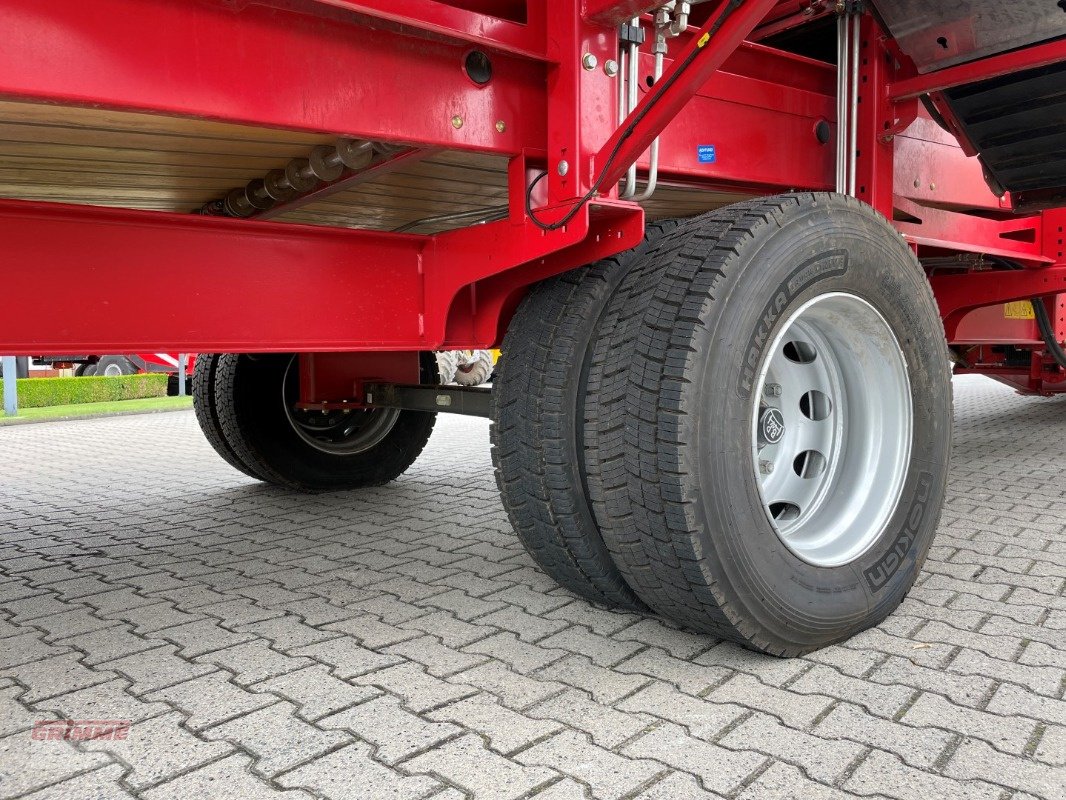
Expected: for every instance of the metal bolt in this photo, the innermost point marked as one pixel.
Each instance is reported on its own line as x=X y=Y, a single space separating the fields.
x=610 y=67
x=589 y=61
x=917 y=183
x=766 y=467
x=932 y=187
x=457 y=122
x=501 y=126
x=563 y=167
x=772 y=390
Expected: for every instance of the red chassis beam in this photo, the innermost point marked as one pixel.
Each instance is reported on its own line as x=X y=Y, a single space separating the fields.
x=265 y=286
x=992 y=67
x=958 y=294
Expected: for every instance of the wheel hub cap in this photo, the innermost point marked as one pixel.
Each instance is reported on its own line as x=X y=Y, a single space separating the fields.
x=771 y=425
x=831 y=429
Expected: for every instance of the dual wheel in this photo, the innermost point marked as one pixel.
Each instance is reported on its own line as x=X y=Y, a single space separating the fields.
x=743 y=425
x=246 y=407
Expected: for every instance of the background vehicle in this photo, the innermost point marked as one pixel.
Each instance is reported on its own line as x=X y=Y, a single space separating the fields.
x=728 y=249
x=128 y=364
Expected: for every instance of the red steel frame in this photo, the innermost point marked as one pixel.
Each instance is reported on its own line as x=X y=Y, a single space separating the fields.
x=393 y=72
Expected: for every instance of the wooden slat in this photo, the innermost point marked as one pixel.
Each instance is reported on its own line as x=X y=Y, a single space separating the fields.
x=45 y=135
x=114 y=158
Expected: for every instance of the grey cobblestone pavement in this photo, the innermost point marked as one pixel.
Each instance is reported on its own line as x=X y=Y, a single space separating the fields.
x=398 y=643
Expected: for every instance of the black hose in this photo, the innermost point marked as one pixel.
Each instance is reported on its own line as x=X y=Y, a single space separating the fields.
x=1047 y=331
x=1043 y=321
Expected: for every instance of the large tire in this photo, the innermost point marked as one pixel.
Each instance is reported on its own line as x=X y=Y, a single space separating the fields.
x=475 y=371
x=203 y=404
x=816 y=290
x=537 y=427
x=447 y=365
x=254 y=398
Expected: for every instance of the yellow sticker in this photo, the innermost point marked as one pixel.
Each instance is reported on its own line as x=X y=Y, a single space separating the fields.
x=703 y=40
x=1022 y=309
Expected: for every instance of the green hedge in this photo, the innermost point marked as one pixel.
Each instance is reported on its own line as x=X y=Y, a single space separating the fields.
x=41 y=392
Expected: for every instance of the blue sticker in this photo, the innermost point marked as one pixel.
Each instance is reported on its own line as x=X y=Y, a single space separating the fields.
x=706 y=154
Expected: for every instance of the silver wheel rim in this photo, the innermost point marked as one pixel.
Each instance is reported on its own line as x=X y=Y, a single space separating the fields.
x=831 y=430
x=339 y=432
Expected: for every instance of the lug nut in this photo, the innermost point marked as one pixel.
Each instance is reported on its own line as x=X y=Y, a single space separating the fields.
x=772 y=390
x=766 y=467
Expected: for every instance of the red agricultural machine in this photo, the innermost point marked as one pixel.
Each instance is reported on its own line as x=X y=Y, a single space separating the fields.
x=732 y=251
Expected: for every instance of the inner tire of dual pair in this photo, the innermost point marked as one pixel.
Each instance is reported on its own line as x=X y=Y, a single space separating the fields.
x=254 y=397
x=537 y=433
x=726 y=288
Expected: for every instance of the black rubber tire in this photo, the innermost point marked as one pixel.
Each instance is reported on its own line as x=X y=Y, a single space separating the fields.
x=80 y=370
x=669 y=416
x=538 y=408
x=119 y=364
x=203 y=404
x=252 y=416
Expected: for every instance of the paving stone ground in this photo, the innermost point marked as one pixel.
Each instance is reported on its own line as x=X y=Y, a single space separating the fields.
x=398 y=643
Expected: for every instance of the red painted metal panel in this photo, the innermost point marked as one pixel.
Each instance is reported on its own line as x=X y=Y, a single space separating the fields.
x=326 y=377
x=245 y=286
x=773 y=102
x=931 y=168
x=992 y=67
x=704 y=55
x=252 y=286
x=1017 y=238
x=468 y=25
x=266 y=66
x=998 y=324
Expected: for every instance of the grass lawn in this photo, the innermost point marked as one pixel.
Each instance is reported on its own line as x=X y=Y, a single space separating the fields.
x=96 y=409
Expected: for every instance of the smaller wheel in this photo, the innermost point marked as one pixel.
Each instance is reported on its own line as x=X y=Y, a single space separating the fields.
x=80 y=370
x=255 y=399
x=113 y=366
x=475 y=370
